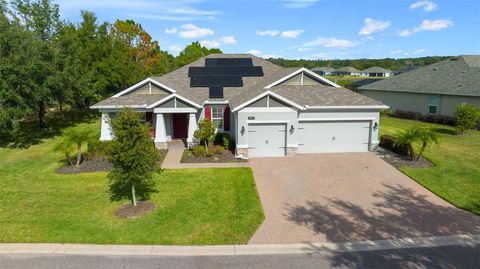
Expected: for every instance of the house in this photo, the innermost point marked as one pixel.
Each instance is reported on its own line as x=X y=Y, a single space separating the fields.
x=359 y=83
x=376 y=71
x=347 y=71
x=267 y=109
x=323 y=71
x=405 y=69
x=434 y=89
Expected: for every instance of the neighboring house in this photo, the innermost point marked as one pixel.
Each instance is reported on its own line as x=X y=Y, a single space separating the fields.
x=323 y=71
x=435 y=89
x=267 y=109
x=405 y=69
x=347 y=71
x=359 y=83
x=376 y=71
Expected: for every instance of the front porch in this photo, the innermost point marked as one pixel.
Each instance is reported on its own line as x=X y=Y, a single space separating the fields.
x=170 y=125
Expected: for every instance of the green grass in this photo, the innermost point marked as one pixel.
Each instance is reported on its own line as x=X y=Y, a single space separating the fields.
x=193 y=206
x=456 y=174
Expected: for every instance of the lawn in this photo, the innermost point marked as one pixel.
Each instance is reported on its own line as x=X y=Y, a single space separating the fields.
x=194 y=206
x=456 y=175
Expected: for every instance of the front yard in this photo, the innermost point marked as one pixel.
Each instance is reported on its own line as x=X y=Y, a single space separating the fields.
x=193 y=206
x=456 y=174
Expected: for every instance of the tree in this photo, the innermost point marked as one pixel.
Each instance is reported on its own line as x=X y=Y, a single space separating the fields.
x=194 y=52
x=466 y=117
x=426 y=136
x=78 y=136
x=134 y=158
x=205 y=132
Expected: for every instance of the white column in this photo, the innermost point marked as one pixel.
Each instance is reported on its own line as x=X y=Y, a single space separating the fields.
x=192 y=126
x=160 y=131
x=106 y=132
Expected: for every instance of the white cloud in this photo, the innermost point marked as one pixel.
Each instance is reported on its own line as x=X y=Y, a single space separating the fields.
x=298 y=3
x=427 y=5
x=331 y=42
x=171 y=31
x=291 y=33
x=210 y=43
x=175 y=48
x=419 y=51
x=303 y=49
x=371 y=26
x=259 y=53
x=396 y=52
x=191 y=31
x=427 y=25
x=227 y=40
x=266 y=32
x=254 y=52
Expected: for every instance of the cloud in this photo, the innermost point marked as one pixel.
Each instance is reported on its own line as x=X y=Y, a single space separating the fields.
x=175 y=48
x=396 y=52
x=301 y=49
x=259 y=53
x=171 y=31
x=266 y=32
x=298 y=3
x=291 y=33
x=331 y=42
x=427 y=5
x=406 y=53
x=371 y=26
x=427 y=25
x=419 y=51
x=228 y=40
x=254 y=52
x=210 y=43
x=191 y=31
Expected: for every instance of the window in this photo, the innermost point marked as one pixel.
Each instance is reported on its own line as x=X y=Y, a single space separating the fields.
x=217 y=117
x=433 y=105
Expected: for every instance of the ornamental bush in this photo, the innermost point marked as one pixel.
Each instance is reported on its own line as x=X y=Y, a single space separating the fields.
x=466 y=116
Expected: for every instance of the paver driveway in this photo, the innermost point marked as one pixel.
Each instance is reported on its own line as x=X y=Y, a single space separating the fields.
x=348 y=197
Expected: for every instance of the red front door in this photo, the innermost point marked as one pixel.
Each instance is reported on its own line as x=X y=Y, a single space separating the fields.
x=180 y=125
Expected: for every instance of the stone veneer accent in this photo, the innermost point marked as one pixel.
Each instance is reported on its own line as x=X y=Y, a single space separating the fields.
x=161 y=145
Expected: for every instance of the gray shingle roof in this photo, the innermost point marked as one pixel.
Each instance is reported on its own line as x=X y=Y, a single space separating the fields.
x=347 y=69
x=323 y=69
x=376 y=69
x=323 y=96
x=140 y=100
x=454 y=76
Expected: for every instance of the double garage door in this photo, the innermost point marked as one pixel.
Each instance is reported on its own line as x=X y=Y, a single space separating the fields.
x=313 y=137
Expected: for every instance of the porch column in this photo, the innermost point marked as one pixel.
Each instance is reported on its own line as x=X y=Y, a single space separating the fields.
x=105 y=132
x=192 y=126
x=160 y=131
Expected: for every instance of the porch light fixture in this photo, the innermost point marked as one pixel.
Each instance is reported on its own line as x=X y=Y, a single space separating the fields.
x=243 y=130
x=292 y=129
x=375 y=126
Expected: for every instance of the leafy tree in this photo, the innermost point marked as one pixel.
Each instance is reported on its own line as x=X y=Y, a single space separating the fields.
x=205 y=132
x=407 y=137
x=65 y=147
x=426 y=136
x=194 y=52
x=466 y=117
x=134 y=158
x=78 y=136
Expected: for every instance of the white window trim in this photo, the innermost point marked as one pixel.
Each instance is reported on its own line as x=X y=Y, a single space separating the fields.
x=222 y=118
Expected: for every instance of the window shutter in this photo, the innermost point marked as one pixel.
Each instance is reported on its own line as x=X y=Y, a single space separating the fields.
x=208 y=113
x=226 y=119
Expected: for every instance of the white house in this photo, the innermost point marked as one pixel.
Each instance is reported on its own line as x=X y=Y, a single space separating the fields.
x=267 y=109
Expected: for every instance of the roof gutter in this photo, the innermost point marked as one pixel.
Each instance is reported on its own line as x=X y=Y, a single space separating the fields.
x=117 y=106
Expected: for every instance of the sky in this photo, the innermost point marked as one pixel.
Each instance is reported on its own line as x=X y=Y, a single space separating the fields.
x=301 y=29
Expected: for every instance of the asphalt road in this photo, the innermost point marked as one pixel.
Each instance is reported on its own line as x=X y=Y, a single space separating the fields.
x=437 y=257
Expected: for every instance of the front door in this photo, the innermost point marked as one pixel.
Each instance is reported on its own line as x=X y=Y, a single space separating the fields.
x=180 y=125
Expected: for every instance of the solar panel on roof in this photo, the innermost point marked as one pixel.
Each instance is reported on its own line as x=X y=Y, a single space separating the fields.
x=215 y=92
x=245 y=71
x=225 y=81
x=212 y=62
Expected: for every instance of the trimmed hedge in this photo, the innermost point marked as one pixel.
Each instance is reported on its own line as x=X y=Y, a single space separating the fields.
x=439 y=119
x=388 y=142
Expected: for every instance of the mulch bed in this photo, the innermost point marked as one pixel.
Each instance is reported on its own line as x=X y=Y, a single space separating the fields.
x=226 y=157
x=86 y=166
x=400 y=161
x=129 y=211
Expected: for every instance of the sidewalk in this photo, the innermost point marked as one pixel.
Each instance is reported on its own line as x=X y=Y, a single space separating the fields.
x=174 y=156
x=229 y=250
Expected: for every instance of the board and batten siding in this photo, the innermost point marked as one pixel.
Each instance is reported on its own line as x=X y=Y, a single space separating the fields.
x=419 y=102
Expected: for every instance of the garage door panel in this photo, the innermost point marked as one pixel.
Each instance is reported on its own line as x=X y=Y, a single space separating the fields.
x=266 y=140
x=339 y=136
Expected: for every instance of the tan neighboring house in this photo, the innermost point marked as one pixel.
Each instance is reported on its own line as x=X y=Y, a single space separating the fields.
x=435 y=89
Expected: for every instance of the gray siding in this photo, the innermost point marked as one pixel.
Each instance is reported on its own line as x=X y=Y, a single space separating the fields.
x=170 y=103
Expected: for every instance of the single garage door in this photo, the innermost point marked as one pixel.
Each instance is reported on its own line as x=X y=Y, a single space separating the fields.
x=266 y=140
x=333 y=136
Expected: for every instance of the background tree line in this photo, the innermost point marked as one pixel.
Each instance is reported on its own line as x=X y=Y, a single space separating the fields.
x=50 y=62
x=361 y=64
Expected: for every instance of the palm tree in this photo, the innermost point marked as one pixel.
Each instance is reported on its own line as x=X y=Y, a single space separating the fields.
x=426 y=136
x=78 y=136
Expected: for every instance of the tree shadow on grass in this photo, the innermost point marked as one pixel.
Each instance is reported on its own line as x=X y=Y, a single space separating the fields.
x=445 y=131
x=30 y=134
x=400 y=213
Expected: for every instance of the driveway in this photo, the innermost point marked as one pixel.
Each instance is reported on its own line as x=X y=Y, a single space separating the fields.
x=348 y=197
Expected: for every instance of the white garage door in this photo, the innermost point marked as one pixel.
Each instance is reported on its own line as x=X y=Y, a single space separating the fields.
x=266 y=140
x=337 y=136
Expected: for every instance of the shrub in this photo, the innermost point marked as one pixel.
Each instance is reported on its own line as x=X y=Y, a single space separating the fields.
x=216 y=150
x=205 y=132
x=223 y=139
x=386 y=112
x=199 y=151
x=409 y=115
x=440 y=119
x=388 y=142
x=97 y=150
x=466 y=116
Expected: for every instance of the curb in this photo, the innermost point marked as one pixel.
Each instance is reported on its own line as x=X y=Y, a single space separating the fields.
x=232 y=250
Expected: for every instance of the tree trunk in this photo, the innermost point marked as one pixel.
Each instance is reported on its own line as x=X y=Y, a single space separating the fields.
x=134 y=197
x=61 y=110
x=79 y=154
x=41 y=115
x=68 y=158
x=206 y=145
x=424 y=145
